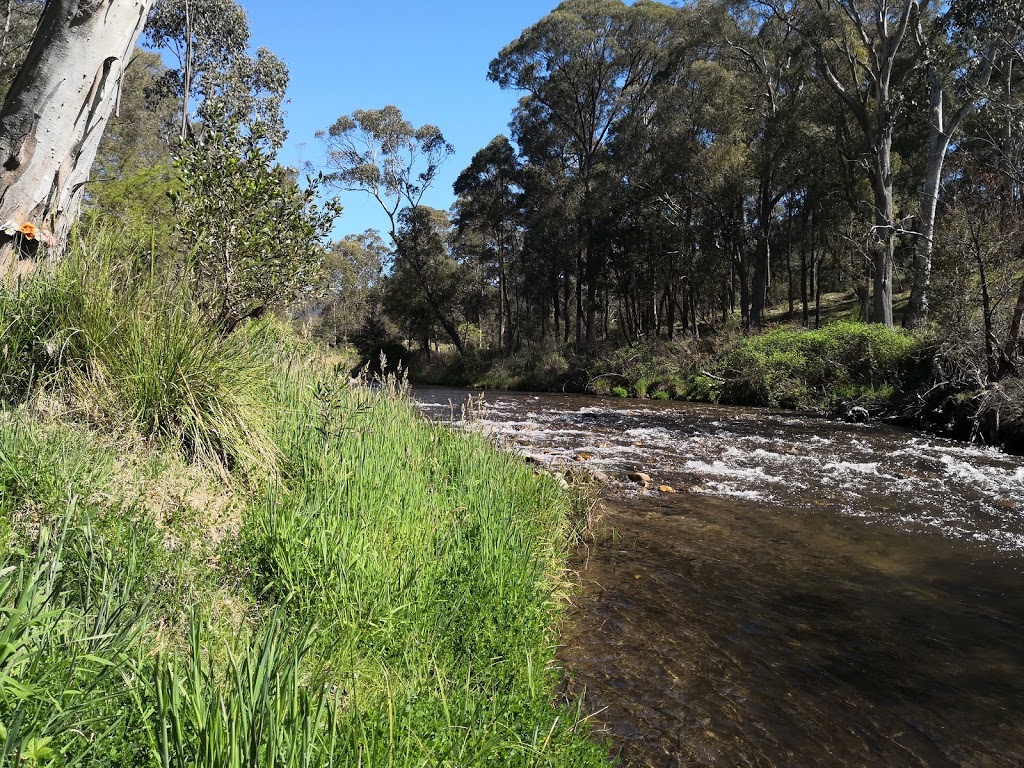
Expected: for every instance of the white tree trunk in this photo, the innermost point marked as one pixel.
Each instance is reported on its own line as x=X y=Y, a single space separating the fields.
x=54 y=116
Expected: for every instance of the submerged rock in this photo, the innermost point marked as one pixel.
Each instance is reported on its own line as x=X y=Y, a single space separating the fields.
x=638 y=477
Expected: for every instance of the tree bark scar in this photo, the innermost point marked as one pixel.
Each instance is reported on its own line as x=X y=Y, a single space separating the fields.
x=24 y=149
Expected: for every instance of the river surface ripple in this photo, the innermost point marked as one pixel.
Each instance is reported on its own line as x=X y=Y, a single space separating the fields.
x=816 y=594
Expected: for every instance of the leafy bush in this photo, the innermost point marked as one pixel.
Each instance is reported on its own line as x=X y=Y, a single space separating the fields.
x=790 y=367
x=256 y=236
x=620 y=392
x=702 y=389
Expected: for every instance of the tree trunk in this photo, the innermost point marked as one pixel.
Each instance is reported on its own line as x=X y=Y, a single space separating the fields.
x=763 y=254
x=1009 y=353
x=55 y=114
x=883 y=252
x=939 y=136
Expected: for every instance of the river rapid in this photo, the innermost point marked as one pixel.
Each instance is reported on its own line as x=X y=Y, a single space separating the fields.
x=800 y=592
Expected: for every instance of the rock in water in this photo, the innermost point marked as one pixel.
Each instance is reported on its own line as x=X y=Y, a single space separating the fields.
x=858 y=415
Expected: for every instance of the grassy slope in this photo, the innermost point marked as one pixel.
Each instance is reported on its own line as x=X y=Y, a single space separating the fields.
x=380 y=591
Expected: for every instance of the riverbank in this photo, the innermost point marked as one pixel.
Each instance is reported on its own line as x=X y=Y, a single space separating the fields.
x=780 y=589
x=846 y=370
x=222 y=552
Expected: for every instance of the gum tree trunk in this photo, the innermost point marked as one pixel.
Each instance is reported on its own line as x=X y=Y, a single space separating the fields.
x=54 y=116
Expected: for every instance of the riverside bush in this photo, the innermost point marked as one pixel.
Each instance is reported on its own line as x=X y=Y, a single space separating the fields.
x=789 y=367
x=130 y=350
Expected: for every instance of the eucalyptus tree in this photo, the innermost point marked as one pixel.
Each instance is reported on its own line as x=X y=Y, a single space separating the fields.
x=867 y=54
x=425 y=282
x=379 y=152
x=353 y=282
x=959 y=49
x=55 y=113
x=488 y=202
x=992 y=151
x=209 y=41
x=770 y=58
x=583 y=67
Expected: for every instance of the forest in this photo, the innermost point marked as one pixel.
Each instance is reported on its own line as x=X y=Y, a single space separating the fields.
x=696 y=170
x=233 y=539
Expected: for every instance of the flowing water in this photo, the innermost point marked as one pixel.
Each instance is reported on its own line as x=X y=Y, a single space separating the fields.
x=813 y=594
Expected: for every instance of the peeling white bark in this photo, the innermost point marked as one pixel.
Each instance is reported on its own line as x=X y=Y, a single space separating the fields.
x=56 y=111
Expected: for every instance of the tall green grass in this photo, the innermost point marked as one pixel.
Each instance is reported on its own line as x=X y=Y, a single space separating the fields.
x=128 y=348
x=430 y=563
x=387 y=596
x=71 y=653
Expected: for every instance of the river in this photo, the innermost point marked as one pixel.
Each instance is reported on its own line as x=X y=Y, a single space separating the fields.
x=801 y=592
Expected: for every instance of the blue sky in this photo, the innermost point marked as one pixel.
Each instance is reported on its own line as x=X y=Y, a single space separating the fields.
x=427 y=58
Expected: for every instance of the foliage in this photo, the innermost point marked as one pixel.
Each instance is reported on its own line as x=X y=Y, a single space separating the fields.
x=133 y=176
x=353 y=272
x=792 y=367
x=379 y=152
x=132 y=351
x=136 y=208
x=139 y=137
x=255 y=237
x=388 y=598
x=425 y=283
x=209 y=41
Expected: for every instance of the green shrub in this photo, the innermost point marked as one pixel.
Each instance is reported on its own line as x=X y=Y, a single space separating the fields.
x=661 y=394
x=701 y=389
x=643 y=385
x=620 y=392
x=602 y=386
x=792 y=367
x=256 y=236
